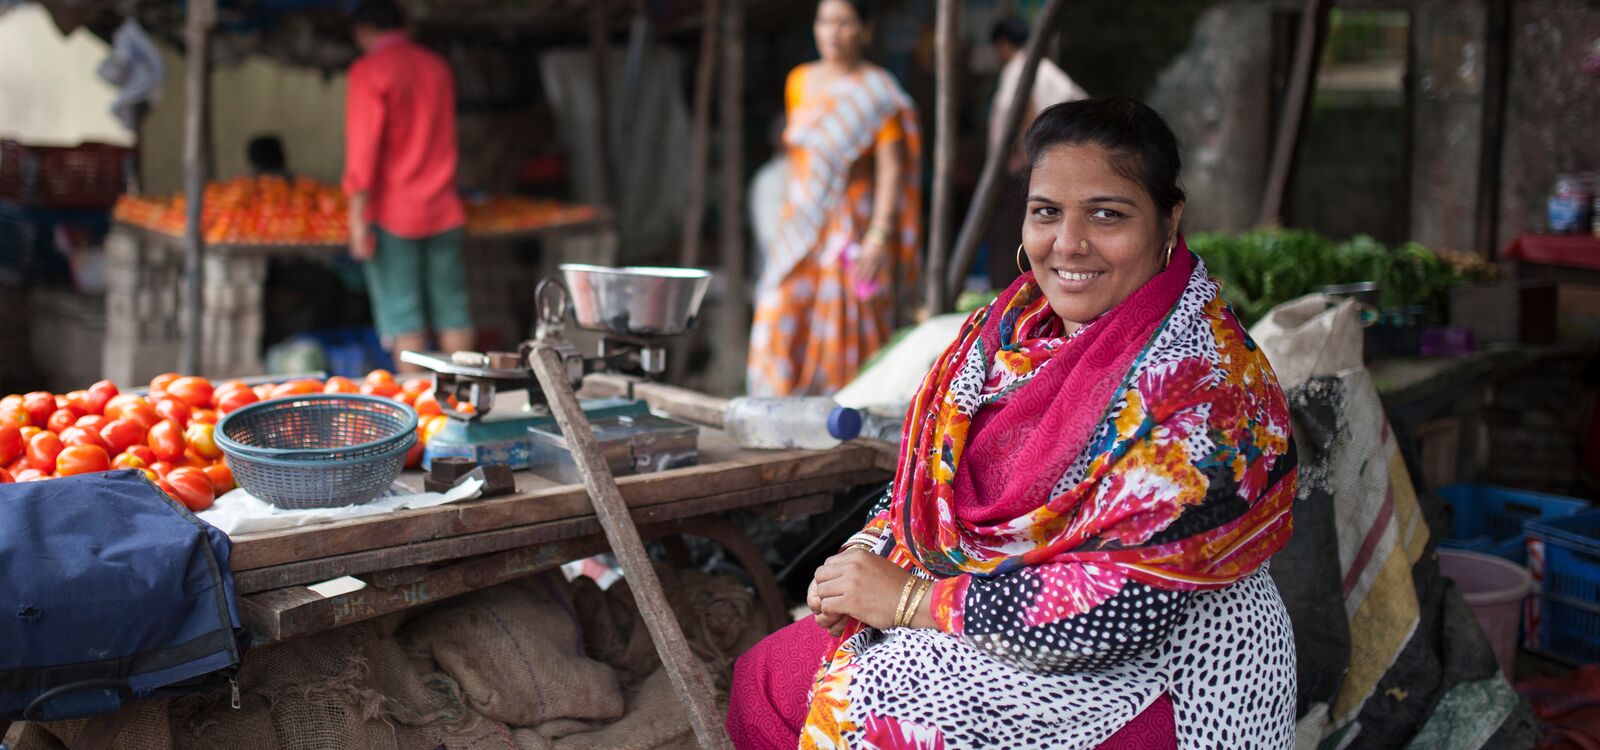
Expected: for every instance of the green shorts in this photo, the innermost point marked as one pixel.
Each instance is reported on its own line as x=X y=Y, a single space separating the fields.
x=414 y=282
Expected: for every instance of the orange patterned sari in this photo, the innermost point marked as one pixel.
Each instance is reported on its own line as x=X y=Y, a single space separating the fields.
x=813 y=326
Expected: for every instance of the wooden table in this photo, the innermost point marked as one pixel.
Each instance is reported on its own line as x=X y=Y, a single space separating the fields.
x=415 y=557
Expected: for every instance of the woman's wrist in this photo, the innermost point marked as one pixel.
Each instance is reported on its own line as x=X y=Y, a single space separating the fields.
x=876 y=235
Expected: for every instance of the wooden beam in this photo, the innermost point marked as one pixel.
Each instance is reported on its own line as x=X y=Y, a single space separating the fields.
x=994 y=163
x=600 y=51
x=732 y=160
x=780 y=498
x=1296 y=104
x=699 y=144
x=202 y=15
x=944 y=155
x=687 y=674
x=1496 y=61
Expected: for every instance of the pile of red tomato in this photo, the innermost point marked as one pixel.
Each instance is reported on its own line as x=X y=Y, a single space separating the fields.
x=169 y=433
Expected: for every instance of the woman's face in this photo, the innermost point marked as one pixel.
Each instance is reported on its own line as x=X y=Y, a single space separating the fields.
x=841 y=36
x=1092 y=235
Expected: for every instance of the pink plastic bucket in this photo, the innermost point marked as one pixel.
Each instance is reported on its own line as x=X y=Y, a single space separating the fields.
x=1494 y=588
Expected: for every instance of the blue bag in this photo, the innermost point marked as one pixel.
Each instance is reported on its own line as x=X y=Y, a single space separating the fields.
x=109 y=592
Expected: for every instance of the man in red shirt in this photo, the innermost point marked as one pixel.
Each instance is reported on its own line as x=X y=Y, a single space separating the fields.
x=406 y=219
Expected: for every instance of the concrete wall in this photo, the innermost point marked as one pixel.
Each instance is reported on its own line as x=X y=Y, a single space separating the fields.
x=49 y=92
x=1553 y=107
x=1216 y=95
x=1447 y=70
x=304 y=107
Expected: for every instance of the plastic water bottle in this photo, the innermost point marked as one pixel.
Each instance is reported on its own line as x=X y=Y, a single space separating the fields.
x=815 y=423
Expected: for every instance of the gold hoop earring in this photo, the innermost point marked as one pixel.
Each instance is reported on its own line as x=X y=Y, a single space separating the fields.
x=1020 y=269
x=1169 y=256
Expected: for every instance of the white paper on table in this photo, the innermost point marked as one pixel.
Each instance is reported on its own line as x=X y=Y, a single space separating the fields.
x=239 y=512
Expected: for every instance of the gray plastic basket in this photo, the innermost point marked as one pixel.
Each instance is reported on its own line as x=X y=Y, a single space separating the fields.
x=318 y=451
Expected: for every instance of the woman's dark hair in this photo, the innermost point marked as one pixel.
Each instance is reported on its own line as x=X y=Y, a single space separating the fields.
x=383 y=15
x=865 y=9
x=265 y=153
x=1142 y=147
x=1012 y=29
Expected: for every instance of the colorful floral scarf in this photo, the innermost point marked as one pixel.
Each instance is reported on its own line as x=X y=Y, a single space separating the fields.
x=1152 y=445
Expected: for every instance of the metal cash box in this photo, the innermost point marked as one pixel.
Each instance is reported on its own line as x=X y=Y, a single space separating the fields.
x=630 y=443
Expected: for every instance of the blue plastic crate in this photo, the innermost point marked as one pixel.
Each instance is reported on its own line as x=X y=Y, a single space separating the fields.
x=352 y=352
x=1490 y=519
x=1571 y=557
x=1568 y=630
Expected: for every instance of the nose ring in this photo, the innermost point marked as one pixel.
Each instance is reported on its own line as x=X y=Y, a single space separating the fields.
x=1083 y=244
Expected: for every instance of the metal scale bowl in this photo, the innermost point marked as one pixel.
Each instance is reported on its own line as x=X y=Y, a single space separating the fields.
x=633 y=309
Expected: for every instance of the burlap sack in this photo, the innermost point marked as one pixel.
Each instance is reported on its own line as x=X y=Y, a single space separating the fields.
x=147 y=728
x=717 y=613
x=203 y=722
x=517 y=658
x=36 y=737
x=1313 y=336
x=656 y=717
x=478 y=732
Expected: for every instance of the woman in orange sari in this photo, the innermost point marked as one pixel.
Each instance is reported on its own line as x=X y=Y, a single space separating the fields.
x=846 y=253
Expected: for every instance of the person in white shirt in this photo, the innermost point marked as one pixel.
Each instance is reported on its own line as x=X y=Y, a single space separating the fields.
x=1051 y=85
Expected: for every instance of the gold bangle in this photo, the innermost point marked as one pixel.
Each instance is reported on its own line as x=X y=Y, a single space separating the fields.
x=905 y=596
x=879 y=234
x=910 y=615
x=863 y=546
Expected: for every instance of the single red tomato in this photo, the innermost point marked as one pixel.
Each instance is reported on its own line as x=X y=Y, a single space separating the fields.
x=167 y=487
x=92 y=421
x=159 y=383
x=78 y=402
x=39 y=406
x=235 y=399
x=340 y=384
x=143 y=452
x=166 y=439
x=202 y=440
x=5 y=476
x=175 y=410
x=427 y=404
x=129 y=461
x=120 y=403
x=79 y=436
x=144 y=414
x=433 y=426
x=161 y=468
x=15 y=415
x=414 y=456
x=221 y=477
x=61 y=420
x=82 y=459
x=12 y=401
x=303 y=387
x=230 y=385
x=28 y=433
x=119 y=434
x=10 y=443
x=388 y=389
x=263 y=391
x=195 y=460
x=192 y=390
x=203 y=416
x=193 y=486
x=100 y=394
x=379 y=375
x=31 y=475
x=416 y=385
x=43 y=448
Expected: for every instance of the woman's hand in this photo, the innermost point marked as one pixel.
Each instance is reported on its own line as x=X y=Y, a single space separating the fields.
x=856 y=584
x=874 y=256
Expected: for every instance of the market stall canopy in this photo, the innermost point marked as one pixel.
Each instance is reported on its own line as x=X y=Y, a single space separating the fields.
x=316 y=33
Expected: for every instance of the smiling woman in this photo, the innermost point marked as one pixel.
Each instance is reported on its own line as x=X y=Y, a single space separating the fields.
x=1092 y=479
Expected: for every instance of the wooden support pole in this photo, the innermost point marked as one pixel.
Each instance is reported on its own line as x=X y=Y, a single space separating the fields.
x=600 y=50
x=699 y=146
x=944 y=155
x=994 y=163
x=197 y=36
x=1297 y=102
x=1496 y=60
x=732 y=160
x=688 y=675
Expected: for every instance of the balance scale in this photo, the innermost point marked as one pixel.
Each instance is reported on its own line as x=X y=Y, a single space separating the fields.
x=634 y=310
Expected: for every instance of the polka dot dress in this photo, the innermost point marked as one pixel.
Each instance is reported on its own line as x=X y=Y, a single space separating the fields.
x=1226 y=658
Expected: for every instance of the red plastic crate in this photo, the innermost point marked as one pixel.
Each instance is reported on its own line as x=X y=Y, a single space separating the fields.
x=89 y=175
